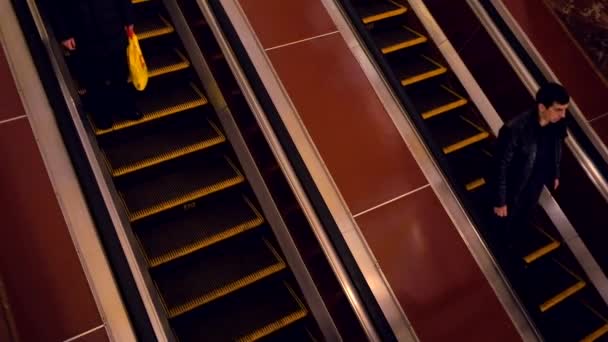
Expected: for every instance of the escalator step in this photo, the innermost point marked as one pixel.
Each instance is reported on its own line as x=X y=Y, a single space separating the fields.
x=293 y=333
x=457 y=132
x=166 y=61
x=248 y=315
x=394 y=39
x=163 y=188
x=371 y=11
x=413 y=69
x=576 y=321
x=153 y=26
x=433 y=100
x=551 y=283
x=537 y=244
x=213 y=220
x=216 y=273
x=161 y=142
x=160 y=63
x=471 y=167
x=158 y=102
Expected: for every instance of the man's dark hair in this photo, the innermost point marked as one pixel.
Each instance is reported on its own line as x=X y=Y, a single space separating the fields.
x=551 y=93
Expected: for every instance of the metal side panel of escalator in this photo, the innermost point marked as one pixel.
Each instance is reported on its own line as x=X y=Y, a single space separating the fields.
x=559 y=299
x=212 y=260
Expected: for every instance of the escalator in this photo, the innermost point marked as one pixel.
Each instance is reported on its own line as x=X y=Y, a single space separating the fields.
x=549 y=282
x=211 y=254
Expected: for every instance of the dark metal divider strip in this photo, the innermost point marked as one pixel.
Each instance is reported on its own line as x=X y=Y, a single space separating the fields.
x=381 y=324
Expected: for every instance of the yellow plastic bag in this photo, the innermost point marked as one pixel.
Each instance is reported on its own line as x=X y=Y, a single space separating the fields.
x=137 y=64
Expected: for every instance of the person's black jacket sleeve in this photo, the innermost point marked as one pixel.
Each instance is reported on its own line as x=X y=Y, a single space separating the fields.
x=504 y=155
x=61 y=18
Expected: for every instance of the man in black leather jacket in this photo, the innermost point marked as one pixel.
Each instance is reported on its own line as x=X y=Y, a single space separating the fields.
x=528 y=156
x=95 y=32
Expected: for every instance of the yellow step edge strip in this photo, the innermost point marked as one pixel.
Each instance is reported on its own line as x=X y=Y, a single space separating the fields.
x=184 y=64
x=138 y=1
x=553 y=245
x=279 y=324
x=562 y=295
x=429 y=74
x=475 y=184
x=539 y=253
x=447 y=107
x=397 y=11
x=405 y=44
x=154 y=115
x=275 y=326
x=221 y=292
x=170 y=155
x=180 y=200
x=566 y=293
x=599 y=332
x=185 y=250
x=185 y=198
x=596 y=334
x=168 y=28
x=466 y=142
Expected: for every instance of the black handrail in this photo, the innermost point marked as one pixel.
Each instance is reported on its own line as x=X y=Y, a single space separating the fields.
x=84 y=173
x=577 y=131
x=371 y=305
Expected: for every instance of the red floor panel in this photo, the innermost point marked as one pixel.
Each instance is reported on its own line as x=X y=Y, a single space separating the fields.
x=433 y=274
x=278 y=22
x=358 y=141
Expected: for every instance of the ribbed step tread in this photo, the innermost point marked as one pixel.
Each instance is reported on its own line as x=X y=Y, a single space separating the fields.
x=417 y=68
x=454 y=133
x=211 y=221
x=431 y=101
x=166 y=61
x=575 y=321
x=153 y=26
x=551 y=283
x=158 y=102
x=394 y=39
x=163 y=188
x=371 y=11
x=215 y=273
x=249 y=314
x=536 y=244
x=161 y=142
x=294 y=333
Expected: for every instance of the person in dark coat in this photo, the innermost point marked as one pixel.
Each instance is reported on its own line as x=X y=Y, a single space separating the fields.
x=527 y=158
x=96 y=33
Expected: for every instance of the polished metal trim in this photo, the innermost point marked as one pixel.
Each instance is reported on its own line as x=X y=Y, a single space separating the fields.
x=557 y=216
x=253 y=175
x=423 y=156
x=135 y=258
x=314 y=163
x=574 y=109
x=63 y=179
